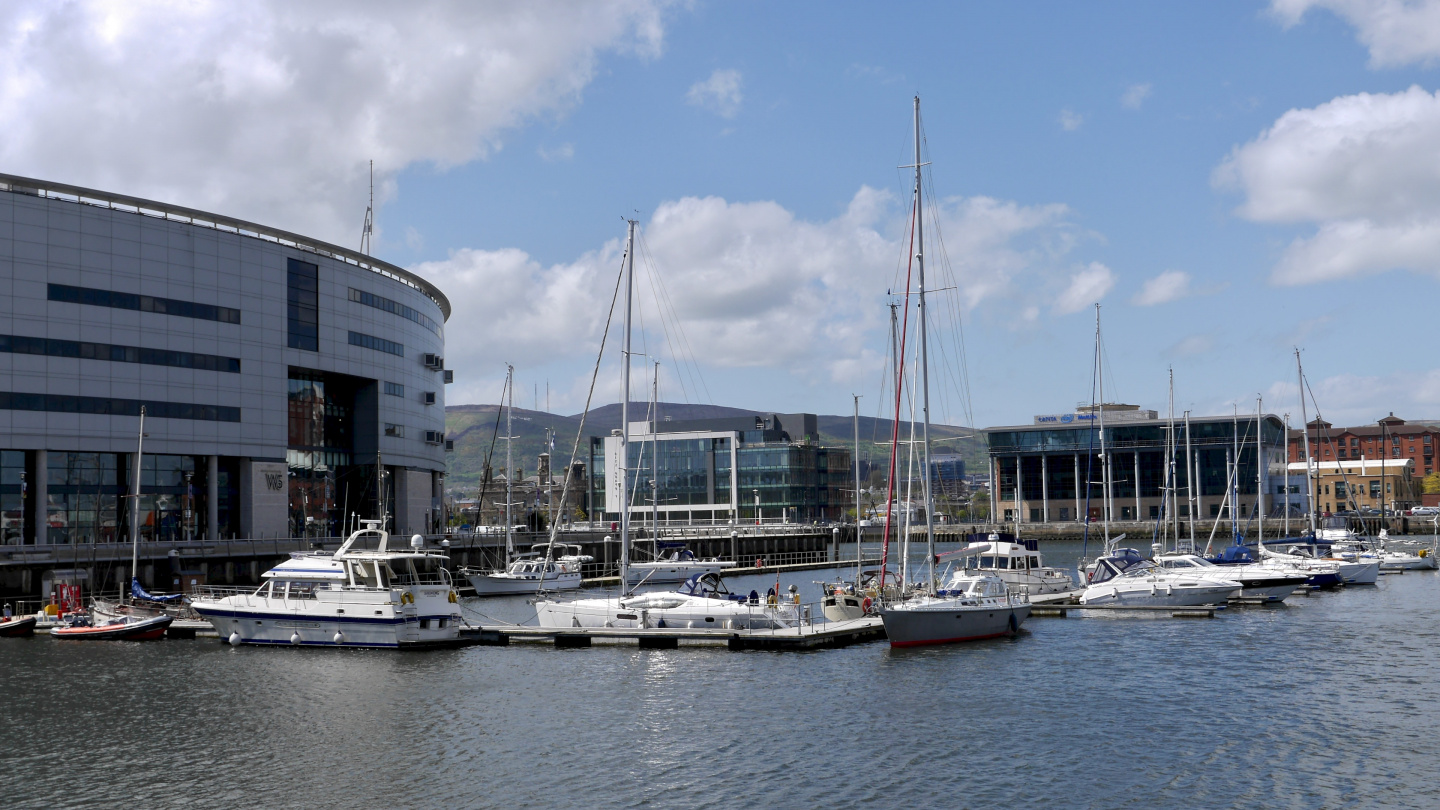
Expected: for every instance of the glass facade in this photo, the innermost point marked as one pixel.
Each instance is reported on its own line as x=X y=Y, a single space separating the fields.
x=12 y=497
x=141 y=303
x=51 y=347
x=303 y=312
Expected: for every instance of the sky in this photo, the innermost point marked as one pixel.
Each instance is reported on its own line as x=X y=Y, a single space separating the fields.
x=1230 y=181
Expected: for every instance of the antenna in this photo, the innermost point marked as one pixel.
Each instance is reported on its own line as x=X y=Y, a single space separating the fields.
x=369 y=215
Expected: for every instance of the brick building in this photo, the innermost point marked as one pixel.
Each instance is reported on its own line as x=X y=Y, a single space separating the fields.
x=1390 y=438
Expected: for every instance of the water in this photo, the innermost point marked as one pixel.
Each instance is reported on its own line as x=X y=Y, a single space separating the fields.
x=1327 y=701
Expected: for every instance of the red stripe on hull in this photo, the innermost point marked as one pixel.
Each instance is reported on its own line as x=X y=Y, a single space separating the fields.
x=948 y=640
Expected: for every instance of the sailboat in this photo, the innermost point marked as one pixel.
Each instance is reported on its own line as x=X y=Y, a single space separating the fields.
x=126 y=620
x=971 y=606
x=526 y=573
x=702 y=601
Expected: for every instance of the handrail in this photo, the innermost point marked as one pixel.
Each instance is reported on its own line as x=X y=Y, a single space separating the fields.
x=177 y=213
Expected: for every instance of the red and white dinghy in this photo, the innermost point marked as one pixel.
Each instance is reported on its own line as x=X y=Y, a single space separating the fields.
x=11 y=628
x=126 y=629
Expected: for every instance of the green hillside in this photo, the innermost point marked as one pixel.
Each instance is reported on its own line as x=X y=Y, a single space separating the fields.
x=473 y=426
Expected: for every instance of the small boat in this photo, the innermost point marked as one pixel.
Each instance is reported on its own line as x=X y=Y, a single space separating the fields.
x=1125 y=578
x=18 y=626
x=127 y=628
x=841 y=600
x=356 y=597
x=531 y=573
x=675 y=563
x=972 y=606
x=703 y=601
x=1020 y=566
x=1358 y=571
x=1257 y=581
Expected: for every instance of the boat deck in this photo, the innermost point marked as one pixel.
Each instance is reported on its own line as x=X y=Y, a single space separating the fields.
x=826 y=634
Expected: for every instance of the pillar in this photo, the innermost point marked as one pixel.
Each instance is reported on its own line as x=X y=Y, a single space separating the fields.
x=40 y=493
x=994 y=489
x=212 y=498
x=1045 y=487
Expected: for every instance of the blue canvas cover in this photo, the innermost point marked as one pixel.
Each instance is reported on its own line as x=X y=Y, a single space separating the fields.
x=140 y=593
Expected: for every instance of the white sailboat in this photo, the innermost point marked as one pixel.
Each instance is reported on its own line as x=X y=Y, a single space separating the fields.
x=703 y=600
x=970 y=607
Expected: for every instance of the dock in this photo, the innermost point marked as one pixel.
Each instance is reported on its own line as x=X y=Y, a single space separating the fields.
x=805 y=637
x=1061 y=610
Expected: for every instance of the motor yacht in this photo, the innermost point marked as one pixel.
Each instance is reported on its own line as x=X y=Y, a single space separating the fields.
x=702 y=601
x=1257 y=581
x=531 y=573
x=973 y=605
x=1021 y=567
x=1125 y=578
x=1358 y=571
x=675 y=563
x=359 y=596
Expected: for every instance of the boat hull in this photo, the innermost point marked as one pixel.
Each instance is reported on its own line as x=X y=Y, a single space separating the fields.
x=1360 y=573
x=505 y=585
x=696 y=613
x=842 y=607
x=141 y=630
x=15 y=628
x=948 y=622
x=1157 y=595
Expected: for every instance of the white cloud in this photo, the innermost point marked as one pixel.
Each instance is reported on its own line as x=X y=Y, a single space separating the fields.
x=1362 y=169
x=1192 y=346
x=1397 y=32
x=1350 y=399
x=414 y=239
x=1070 y=120
x=1086 y=287
x=270 y=110
x=719 y=94
x=751 y=284
x=564 y=151
x=1171 y=285
x=1135 y=96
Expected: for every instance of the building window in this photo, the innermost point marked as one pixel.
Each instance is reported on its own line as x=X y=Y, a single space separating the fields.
x=394 y=389
x=103 y=406
x=19 y=344
x=378 y=344
x=393 y=307
x=304 y=305
x=141 y=303
x=398 y=431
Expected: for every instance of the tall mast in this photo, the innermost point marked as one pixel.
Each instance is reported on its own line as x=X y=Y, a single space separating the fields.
x=1260 y=468
x=509 y=463
x=1287 y=475
x=655 y=455
x=625 y=417
x=1305 y=426
x=369 y=226
x=1172 y=511
x=135 y=508
x=857 y=486
x=1191 y=492
x=924 y=360
x=1104 y=456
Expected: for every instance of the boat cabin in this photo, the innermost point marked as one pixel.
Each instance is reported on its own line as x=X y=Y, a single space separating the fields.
x=1120 y=562
x=303 y=574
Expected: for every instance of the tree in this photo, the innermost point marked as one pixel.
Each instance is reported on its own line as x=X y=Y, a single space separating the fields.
x=1431 y=484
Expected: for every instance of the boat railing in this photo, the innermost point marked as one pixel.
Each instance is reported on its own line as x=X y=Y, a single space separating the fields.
x=217 y=592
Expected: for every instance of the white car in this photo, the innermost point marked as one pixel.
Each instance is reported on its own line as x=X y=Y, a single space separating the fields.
x=1425 y=510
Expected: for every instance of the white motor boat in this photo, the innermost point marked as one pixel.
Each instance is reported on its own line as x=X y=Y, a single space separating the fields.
x=525 y=575
x=703 y=601
x=676 y=563
x=355 y=597
x=1257 y=581
x=1357 y=571
x=1022 y=568
x=1390 y=559
x=1125 y=578
x=972 y=606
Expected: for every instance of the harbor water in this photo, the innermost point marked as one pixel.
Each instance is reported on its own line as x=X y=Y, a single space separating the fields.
x=1326 y=701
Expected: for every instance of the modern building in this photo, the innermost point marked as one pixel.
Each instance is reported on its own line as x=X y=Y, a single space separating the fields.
x=1042 y=469
x=768 y=469
x=285 y=382
x=1390 y=438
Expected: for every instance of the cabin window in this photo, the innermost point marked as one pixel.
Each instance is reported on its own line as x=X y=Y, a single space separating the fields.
x=1034 y=562
x=366 y=576
x=987 y=562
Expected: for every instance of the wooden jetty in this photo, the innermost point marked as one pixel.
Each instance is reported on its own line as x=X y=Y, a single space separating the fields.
x=805 y=637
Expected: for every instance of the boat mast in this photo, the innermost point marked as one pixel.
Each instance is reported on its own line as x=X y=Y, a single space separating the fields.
x=1169 y=502
x=1305 y=425
x=135 y=509
x=1287 y=475
x=1191 y=496
x=655 y=457
x=924 y=362
x=625 y=417
x=857 y=484
x=509 y=464
x=1259 y=468
x=1104 y=456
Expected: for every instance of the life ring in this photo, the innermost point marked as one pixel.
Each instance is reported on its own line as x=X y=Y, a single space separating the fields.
x=770 y=599
x=453 y=598
x=407 y=598
x=865 y=605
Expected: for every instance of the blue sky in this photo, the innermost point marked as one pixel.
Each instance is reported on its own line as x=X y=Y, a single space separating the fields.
x=1229 y=180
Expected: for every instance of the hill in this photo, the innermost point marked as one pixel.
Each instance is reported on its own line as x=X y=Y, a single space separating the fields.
x=472 y=428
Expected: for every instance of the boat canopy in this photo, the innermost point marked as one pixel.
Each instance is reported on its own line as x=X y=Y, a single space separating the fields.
x=708 y=584
x=308 y=568
x=140 y=593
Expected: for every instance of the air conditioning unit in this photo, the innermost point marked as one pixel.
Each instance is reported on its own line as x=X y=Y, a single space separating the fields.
x=434 y=437
x=434 y=362
x=449 y=376
x=429 y=397
x=449 y=445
